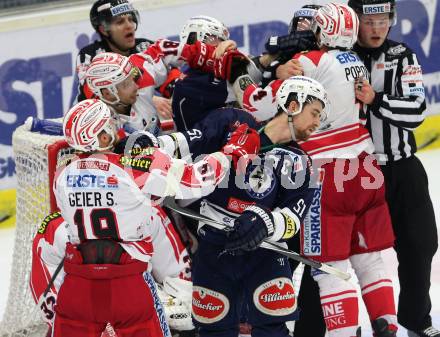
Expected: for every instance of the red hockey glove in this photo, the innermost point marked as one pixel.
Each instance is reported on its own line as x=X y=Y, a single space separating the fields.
x=243 y=146
x=199 y=56
x=167 y=88
x=231 y=65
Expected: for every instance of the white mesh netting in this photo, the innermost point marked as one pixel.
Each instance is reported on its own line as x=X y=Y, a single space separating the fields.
x=31 y=164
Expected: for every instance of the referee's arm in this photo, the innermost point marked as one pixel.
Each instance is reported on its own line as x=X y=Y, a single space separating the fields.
x=406 y=108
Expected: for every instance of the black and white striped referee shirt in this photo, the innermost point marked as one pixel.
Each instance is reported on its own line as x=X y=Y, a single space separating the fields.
x=399 y=105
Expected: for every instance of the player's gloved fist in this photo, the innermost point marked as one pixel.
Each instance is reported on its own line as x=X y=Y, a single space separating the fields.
x=292 y=43
x=231 y=65
x=132 y=144
x=254 y=225
x=243 y=146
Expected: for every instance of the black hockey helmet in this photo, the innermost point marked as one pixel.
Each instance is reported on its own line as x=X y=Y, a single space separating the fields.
x=305 y=12
x=365 y=7
x=103 y=11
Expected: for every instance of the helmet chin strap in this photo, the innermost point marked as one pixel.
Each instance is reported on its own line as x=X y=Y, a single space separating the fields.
x=290 y=115
x=291 y=127
x=120 y=105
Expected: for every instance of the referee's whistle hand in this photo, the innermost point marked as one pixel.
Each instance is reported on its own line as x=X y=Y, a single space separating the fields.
x=364 y=92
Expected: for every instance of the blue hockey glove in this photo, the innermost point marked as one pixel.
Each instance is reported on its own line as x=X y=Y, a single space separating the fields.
x=250 y=229
x=132 y=144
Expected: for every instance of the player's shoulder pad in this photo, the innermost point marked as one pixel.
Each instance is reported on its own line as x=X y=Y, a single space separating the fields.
x=300 y=53
x=290 y=150
x=297 y=157
x=240 y=115
x=313 y=55
x=45 y=223
x=398 y=49
x=92 y=49
x=291 y=154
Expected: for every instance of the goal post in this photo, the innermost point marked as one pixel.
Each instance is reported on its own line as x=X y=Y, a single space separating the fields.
x=36 y=156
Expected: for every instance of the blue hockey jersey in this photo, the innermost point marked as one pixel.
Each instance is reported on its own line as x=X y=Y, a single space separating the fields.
x=278 y=179
x=196 y=94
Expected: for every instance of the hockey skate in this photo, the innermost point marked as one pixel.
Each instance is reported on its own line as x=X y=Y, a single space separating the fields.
x=428 y=332
x=380 y=328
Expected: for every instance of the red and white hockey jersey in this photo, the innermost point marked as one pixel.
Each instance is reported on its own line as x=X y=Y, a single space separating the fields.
x=155 y=65
x=107 y=195
x=48 y=250
x=343 y=134
x=170 y=258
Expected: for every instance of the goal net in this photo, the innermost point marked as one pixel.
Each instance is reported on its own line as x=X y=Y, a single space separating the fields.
x=36 y=156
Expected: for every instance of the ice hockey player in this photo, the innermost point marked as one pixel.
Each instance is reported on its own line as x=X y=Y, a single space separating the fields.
x=357 y=231
x=116 y=22
x=128 y=83
x=281 y=49
x=199 y=91
x=106 y=199
x=49 y=248
x=267 y=199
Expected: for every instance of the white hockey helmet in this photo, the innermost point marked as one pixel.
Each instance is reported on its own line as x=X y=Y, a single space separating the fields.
x=202 y=28
x=304 y=90
x=85 y=121
x=106 y=71
x=337 y=25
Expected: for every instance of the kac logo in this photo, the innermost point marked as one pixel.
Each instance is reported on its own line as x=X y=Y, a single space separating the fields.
x=260 y=181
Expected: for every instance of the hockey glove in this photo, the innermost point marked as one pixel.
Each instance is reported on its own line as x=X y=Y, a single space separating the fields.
x=291 y=44
x=231 y=65
x=269 y=74
x=134 y=143
x=167 y=88
x=243 y=146
x=250 y=229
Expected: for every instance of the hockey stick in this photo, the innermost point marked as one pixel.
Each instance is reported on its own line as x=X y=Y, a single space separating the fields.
x=53 y=278
x=36 y=311
x=276 y=247
x=428 y=142
x=49 y=285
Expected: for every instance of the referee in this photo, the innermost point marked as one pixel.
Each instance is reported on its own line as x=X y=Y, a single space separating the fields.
x=396 y=106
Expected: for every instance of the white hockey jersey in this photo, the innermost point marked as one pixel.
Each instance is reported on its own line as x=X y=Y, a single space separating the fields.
x=156 y=71
x=107 y=195
x=343 y=134
x=170 y=258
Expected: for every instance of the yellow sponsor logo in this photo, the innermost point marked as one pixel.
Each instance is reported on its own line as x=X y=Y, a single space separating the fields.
x=45 y=222
x=146 y=151
x=290 y=229
x=142 y=164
